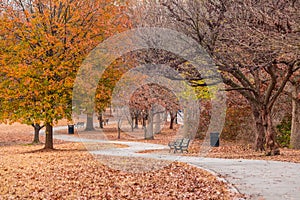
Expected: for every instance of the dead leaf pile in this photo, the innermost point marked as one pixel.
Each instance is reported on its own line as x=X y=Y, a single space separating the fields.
x=72 y=173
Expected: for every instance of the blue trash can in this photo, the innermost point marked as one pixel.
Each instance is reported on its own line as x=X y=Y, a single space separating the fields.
x=214 y=139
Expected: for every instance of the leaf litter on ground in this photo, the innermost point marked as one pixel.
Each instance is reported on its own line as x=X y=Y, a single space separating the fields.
x=70 y=172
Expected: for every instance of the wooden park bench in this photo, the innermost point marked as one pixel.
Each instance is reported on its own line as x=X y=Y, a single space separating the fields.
x=181 y=145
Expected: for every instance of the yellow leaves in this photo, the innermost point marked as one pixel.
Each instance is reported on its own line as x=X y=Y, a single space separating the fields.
x=59 y=109
x=202 y=92
x=68 y=82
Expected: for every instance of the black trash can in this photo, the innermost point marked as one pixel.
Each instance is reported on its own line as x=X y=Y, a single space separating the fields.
x=214 y=139
x=71 y=128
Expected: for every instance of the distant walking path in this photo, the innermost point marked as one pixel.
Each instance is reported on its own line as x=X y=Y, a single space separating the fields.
x=271 y=180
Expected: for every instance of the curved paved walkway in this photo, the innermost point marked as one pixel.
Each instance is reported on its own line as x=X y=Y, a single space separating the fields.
x=258 y=179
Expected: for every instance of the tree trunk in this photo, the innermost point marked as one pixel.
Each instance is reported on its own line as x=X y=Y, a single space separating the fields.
x=295 y=130
x=272 y=147
x=36 y=138
x=173 y=116
x=265 y=133
x=187 y=122
x=119 y=129
x=89 y=122
x=144 y=122
x=37 y=129
x=172 y=121
x=157 y=123
x=49 y=136
x=100 y=118
x=149 y=129
x=132 y=124
x=136 y=119
x=260 y=132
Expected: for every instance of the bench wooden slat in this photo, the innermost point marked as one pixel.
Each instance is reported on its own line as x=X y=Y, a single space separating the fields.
x=172 y=144
x=183 y=146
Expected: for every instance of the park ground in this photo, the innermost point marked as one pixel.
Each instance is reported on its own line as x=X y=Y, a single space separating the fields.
x=70 y=172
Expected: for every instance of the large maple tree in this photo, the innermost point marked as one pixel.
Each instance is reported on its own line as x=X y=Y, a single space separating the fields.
x=42 y=46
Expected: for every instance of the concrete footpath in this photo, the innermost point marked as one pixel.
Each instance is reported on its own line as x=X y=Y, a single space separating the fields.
x=258 y=179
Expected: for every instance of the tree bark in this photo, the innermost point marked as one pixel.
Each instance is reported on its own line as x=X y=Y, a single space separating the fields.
x=295 y=130
x=144 y=119
x=132 y=124
x=100 y=118
x=260 y=133
x=172 y=116
x=157 y=123
x=149 y=129
x=136 y=119
x=265 y=133
x=119 y=129
x=49 y=136
x=37 y=129
x=272 y=147
x=89 y=122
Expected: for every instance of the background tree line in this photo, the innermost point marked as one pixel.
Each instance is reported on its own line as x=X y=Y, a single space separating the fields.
x=255 y=45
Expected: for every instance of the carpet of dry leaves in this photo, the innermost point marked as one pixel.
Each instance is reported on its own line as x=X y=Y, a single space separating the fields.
x=70 y=172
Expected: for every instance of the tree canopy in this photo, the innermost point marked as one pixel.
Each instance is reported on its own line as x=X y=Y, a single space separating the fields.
x=43 y=45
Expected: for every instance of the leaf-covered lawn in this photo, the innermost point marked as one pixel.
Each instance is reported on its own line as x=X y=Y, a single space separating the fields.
x=227 y=149
x=234 y=150
x=70 y=172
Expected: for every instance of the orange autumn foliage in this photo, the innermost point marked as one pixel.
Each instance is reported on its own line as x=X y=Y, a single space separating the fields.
x=42 y=46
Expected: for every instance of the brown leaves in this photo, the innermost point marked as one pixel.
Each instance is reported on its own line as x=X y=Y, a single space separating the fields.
x=148 y=95
x=72 y=173
x=235 y=150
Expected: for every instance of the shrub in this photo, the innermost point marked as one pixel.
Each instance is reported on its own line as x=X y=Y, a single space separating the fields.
x=284 y=132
